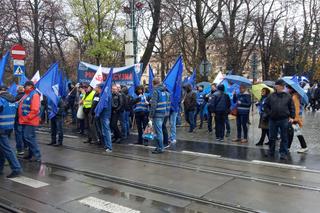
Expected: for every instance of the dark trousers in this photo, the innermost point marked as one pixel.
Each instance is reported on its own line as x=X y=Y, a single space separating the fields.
x=114 y=125
x=189 y=115
x=98 y=125
x=200 y=111
x=29 y=136
x=219 y=120
x=142 y=122
x=242 y=122
x=92 y=135
x=209 y=122
x=227 y=122
x=274 y=127
x=264 y=133
x=57 y=129
x=165 y=132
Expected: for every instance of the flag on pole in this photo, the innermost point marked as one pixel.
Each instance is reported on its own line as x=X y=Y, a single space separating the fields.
x=13 y=89
x=136 y=82
x=46 y=86
x=151 y=77
x=192 y=79
x=173 y=82
x=105 y=96
x=36 y=77
x=219 y=78
x=97 y=78
x=3 y=64
x=23 y=80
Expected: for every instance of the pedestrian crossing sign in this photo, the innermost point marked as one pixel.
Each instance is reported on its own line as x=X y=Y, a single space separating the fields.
x=18 y=70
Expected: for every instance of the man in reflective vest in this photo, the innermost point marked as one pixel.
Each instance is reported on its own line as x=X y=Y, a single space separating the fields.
x=160 y=108
x=8 y=109
x=87 y=101
x=141 y=111
x=29 y=118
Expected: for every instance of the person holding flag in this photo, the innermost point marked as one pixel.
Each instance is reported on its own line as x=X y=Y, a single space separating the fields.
x=20 y=143
x=87 y=101
x=29 y=110
x=103 y=111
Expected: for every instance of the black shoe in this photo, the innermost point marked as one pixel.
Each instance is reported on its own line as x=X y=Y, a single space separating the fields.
x=14 y=174
x=267 y=143
x=259 y=144
x=26 y=158
x=283 y=157
x=51 y=144
x=57 y=144
x=80 y=132
x=138 y=143
x=117 y=140
x=87 y=141
x=269 y=155
x=157 y=151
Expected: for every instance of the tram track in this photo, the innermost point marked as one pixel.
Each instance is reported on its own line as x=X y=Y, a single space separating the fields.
x=155 y=189
x=4 y=208
x=196 y=168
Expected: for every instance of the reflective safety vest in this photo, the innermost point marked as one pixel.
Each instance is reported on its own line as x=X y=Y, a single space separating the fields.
x=87 y=100
x=26 y=105
x=8 y=114
x=141 y=106
x=163 y=105
x=200 y=98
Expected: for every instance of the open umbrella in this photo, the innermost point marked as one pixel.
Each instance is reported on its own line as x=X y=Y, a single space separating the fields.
x=206 y=86
x=236 y=79
x=269 y=83
x=298 y=89
x=256 y=90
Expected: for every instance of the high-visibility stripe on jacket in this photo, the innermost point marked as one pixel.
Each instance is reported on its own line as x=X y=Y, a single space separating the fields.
x=8 y=114
x=141 y=106
x=163 y=105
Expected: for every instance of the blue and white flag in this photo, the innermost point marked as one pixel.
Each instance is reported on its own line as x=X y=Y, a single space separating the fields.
x=105 y=96
x=151 y=77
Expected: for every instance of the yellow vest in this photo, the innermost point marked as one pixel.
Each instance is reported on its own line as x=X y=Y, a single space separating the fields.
x=87 y=100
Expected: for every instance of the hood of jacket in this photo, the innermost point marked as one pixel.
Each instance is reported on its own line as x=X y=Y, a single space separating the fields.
x=8 y=97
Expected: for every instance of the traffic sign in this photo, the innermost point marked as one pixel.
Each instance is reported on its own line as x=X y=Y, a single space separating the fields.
x=18 y=70
x=18 y=52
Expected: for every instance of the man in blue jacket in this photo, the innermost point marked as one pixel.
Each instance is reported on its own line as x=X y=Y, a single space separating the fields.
x=219 y=105
x=159 y=109
x=243 y=101
x=8 y=109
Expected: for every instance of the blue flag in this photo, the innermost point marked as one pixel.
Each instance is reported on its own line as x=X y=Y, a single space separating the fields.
x=151 y=77
x=136 y=82
x=105 y=96
x=3 y=64
x=173 y=82
x=23 y=80
x=63 y=85
x=13 y=89
x=48 y=86
x=192 y=79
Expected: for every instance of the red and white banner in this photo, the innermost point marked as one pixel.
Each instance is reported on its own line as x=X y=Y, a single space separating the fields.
x=97 y=78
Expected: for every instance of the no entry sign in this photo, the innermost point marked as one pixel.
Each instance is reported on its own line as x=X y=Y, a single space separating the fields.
x=18 y=52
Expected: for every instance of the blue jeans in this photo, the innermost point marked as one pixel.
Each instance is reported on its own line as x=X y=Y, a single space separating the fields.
x=200 y=110
x=189 y=115
x=157 y=126
x=106 y=131
x=173 y=127
x=242 y=122
x=57 y=128
x=29 y=136
x=6 y=152
x=274 y=127
x=20 y=145
x=179 y=117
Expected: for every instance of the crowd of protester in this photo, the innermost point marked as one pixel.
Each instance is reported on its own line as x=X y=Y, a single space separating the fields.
x=280 y=116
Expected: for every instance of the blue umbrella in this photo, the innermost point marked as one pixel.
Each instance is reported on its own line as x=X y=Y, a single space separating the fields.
x=298 y=89
x=236 y=79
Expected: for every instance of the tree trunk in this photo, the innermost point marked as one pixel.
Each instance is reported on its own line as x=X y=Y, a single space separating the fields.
x=153 y=34
x=36 y=45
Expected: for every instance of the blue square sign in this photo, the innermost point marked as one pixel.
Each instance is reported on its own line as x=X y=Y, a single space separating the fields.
x=18 y=70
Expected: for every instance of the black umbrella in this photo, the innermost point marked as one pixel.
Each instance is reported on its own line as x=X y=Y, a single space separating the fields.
x=269 y=83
